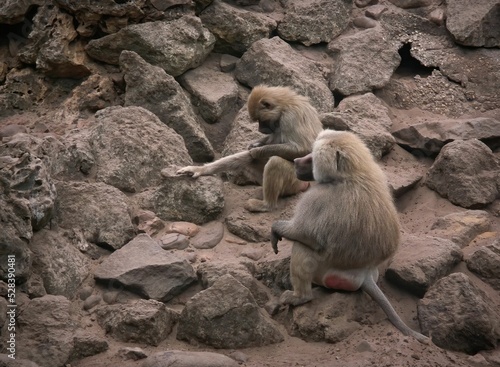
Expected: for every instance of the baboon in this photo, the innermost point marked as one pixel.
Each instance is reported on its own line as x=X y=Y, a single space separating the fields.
x=291 y=125
x=344 y=226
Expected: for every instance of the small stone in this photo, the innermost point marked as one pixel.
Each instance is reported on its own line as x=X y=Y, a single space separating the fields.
x=228 y=63
x=364 y=22
x=239 y=357
x=376 y=11
x=91 y=302
x=132 y=353
x=85 y=293
x=364 y=346
x=186 y=228
x=253 y=254
x=174 y=241
x=110 y=297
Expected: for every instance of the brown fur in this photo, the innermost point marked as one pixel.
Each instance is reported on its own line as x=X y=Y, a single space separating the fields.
x=344 y=226
x=291 y=125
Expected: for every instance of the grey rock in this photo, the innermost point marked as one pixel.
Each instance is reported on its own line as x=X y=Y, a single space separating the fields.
x=403 y=170
x=85 y=292
x=459 y=315
x=175 y=46
x=154 y=146
x=234 y=28
x=178 y=358
x=226 y=316
x=209 y=236
x=274 y=62
x=312 y=22
x=228 y=62
x=142 y=321
x=174 y=241
x=86 y=345
x=132 y=353
x=45 y=331
x=91 y=302
x=465 y=172
x=98 y=210
x=210 y=272
x=151 y=87
x=53 y=45
x=62 y=267
x=366 y=116
x=408 y=4
x=431 y=136
x=168 y=201
x=421 y=261
x=478 y=26
x=238 y=224
x=142 y=266
x=13 y=11
x=485 y=262
x=6 y=361
x=333 y=317
x=12 y=245
x=363 y=61
x=462 y=227
x=213 y=92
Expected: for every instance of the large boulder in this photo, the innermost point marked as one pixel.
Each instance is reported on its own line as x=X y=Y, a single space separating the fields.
x=62 y=267
x=431 y=136
x=421 y=261
x=474 y=26
x=143 y=267
x=98 y=210
x=142 y=321
x=53 y=45
x=226 y=316
x=366 y=116
x=465 y=172
x=234 y=28
x=316 y=21
x=152 y=88
x=363 y=61
x=45 y=331
x=175 y=46
x=459 y=315
x=485 y=262
x=274 y=62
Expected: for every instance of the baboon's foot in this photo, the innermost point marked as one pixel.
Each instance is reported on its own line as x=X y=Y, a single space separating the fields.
x=304 y=185
x=290 y=298
x=257 y=206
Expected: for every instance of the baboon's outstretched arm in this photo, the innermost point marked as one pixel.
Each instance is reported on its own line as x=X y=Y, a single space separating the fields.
x=285 y=228
x=285 y=151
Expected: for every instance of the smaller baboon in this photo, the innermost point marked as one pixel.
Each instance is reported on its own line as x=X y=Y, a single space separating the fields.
x=343 y=227
x=290 y=125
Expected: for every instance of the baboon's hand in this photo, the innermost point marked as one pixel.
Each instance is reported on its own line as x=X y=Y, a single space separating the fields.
x=256 y=152
x=193 y=171
x=275 y=237
x=255 y=145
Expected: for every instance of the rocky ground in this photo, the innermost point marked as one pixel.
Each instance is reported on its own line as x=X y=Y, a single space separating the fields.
x=117 y=261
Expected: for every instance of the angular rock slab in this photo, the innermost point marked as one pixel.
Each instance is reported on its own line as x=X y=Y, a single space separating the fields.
x=459 y=316
x=152 y=88
x=421 y=261
x=476 y=26
x=100 y=211
x=403 y=170
x=179 y=358
x=234 y=28
x=462 y=227
x=485 y=262
x=143 y=267
x=212 y=91
x=142 y=321
x=210 y=272
x=363 y=61
x=312 y=22
x=45 y=331
x=274 y=62
x=226 y=316
x=13 y=11
x=366 y=116
x=175 y=46
x=431 y=136
x=465 y=172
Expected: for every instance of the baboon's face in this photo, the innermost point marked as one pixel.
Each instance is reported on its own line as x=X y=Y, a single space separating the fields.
x=304 y=168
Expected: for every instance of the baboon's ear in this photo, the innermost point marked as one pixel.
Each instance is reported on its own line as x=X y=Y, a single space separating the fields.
x=265 y=104
x=341 y=159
